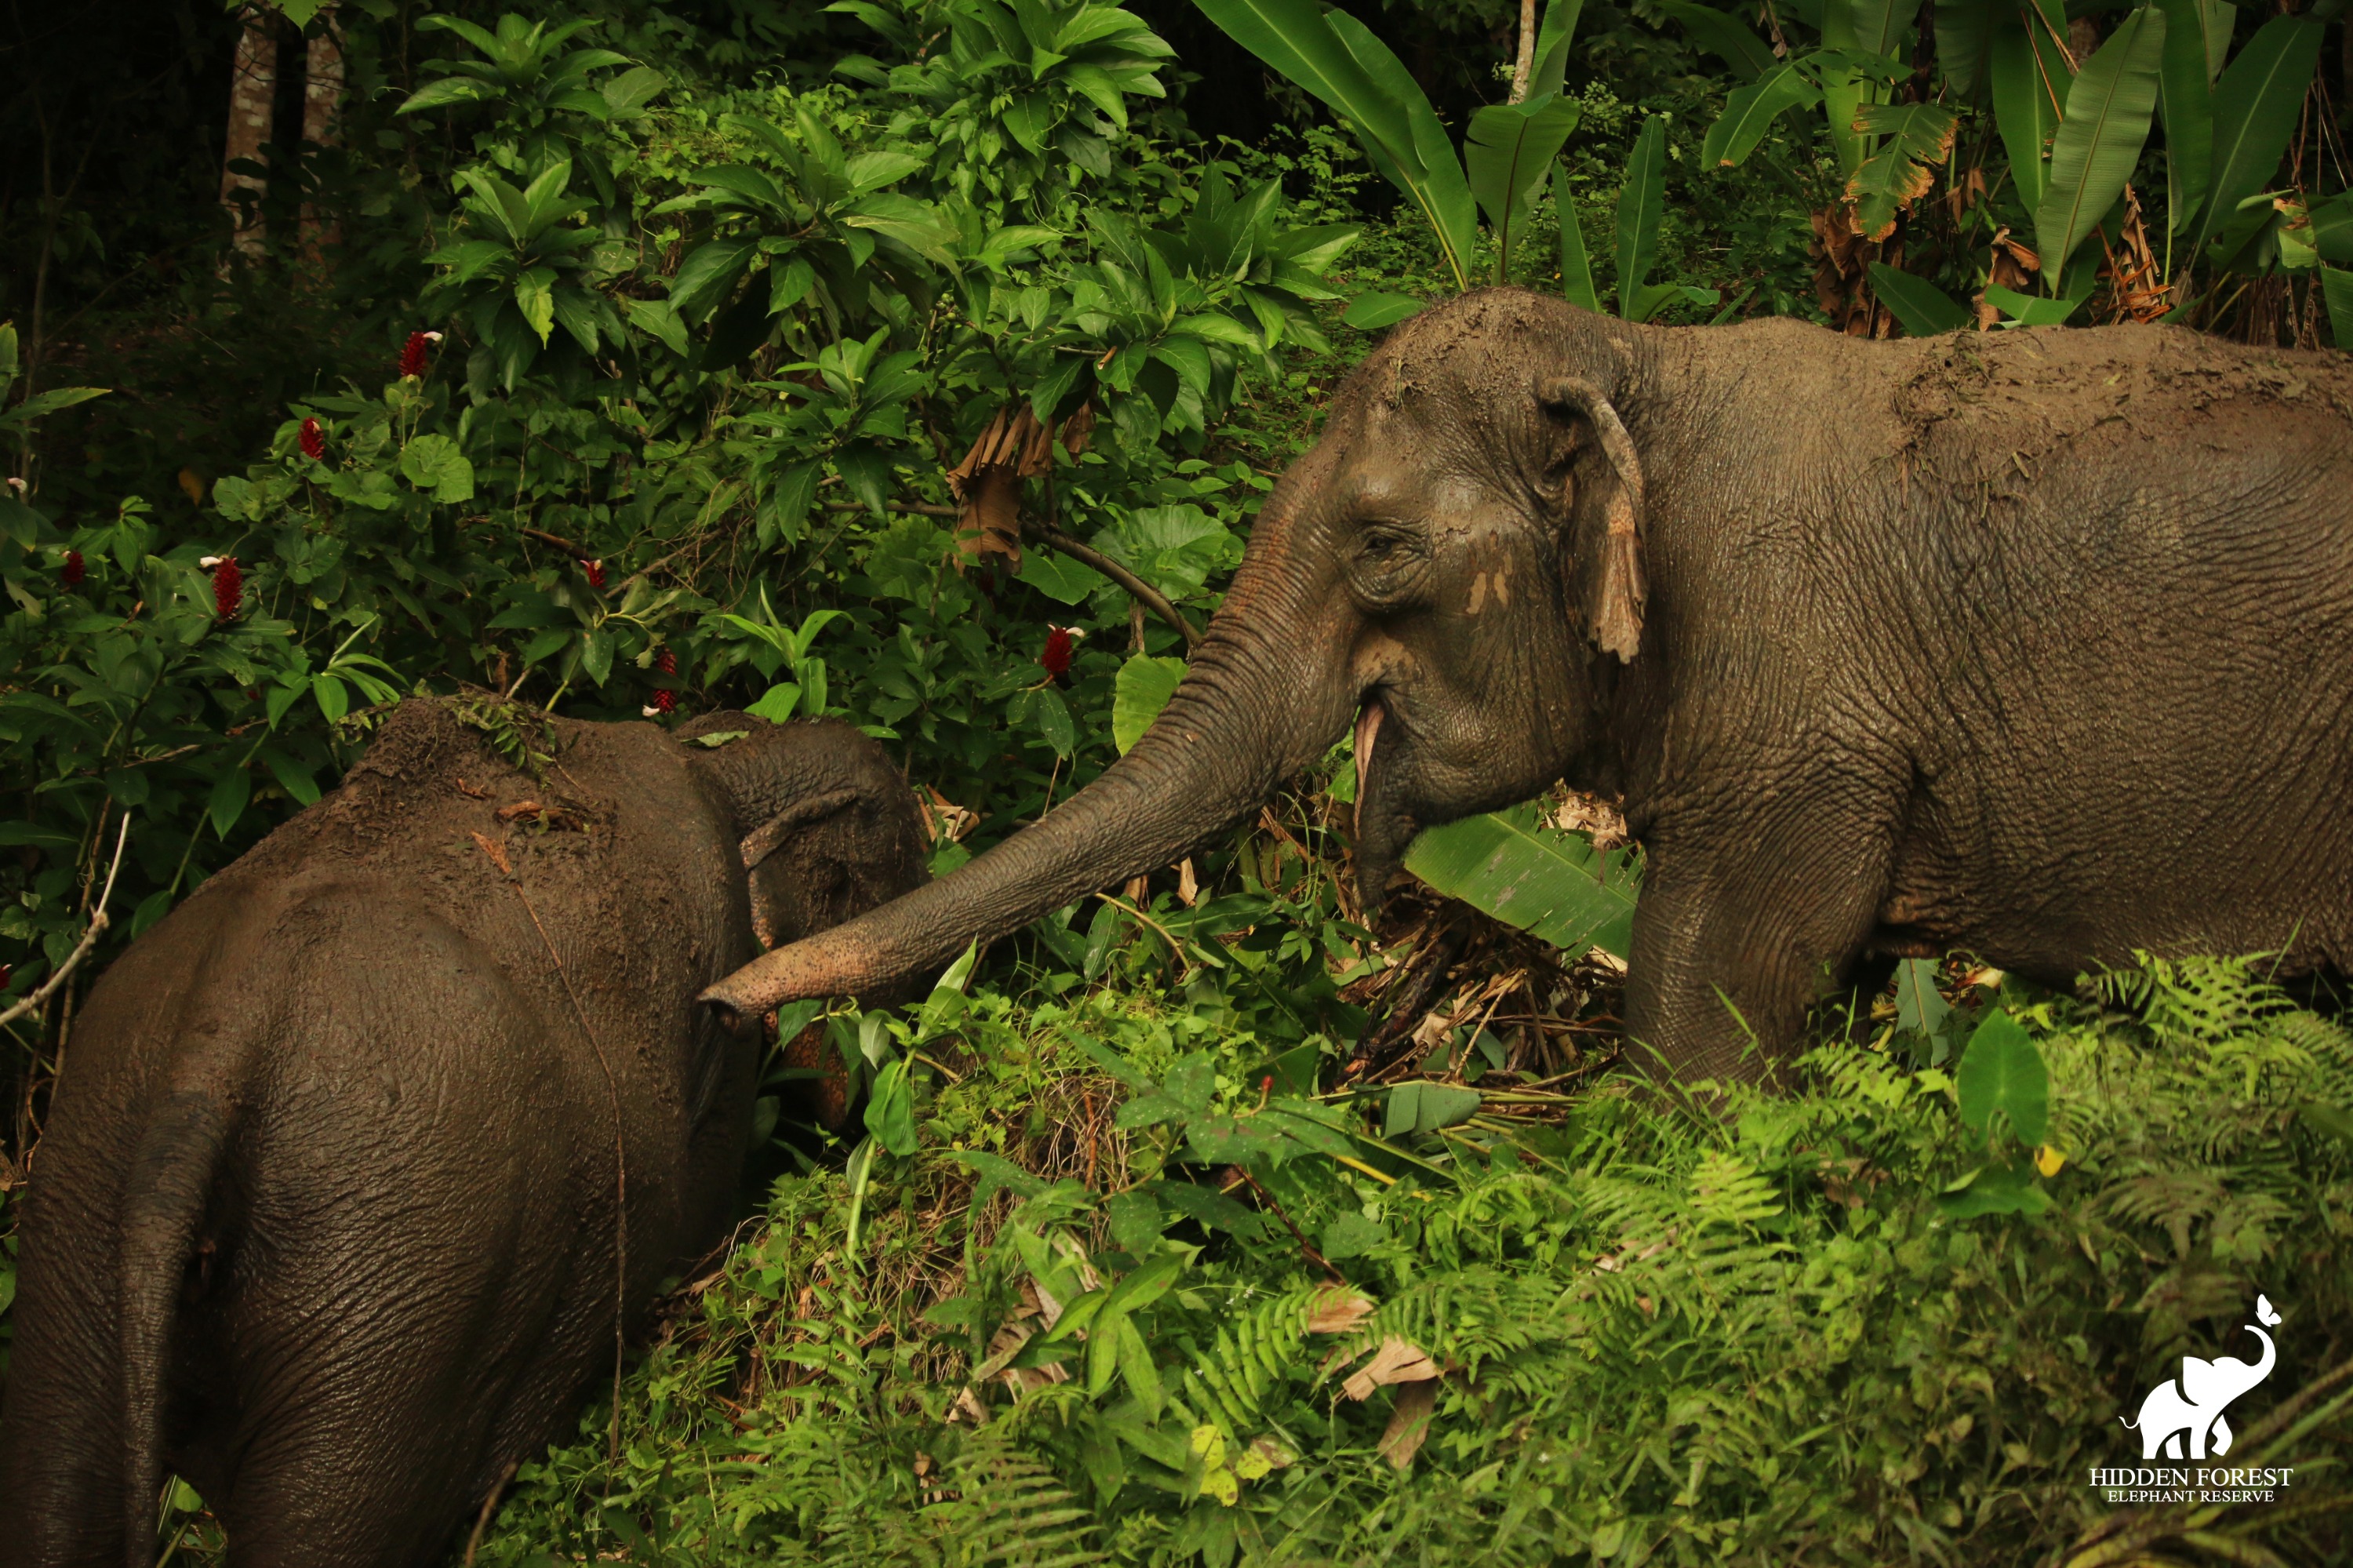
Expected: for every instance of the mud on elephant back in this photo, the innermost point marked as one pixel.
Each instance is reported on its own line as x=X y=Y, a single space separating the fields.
x=2036 y=643
x=366 y=1158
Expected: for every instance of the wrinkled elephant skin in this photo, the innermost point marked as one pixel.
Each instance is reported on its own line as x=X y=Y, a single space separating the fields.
x=327 y=1218
x=2035 y=643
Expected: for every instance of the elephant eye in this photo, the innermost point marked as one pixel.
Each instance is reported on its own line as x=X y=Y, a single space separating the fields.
x=1389 y=558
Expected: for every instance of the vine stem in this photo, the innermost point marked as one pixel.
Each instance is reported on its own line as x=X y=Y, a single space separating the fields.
x=99 y=921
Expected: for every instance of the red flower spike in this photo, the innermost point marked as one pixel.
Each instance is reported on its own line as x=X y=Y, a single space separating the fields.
x=412 y=355
x=1060 y=645
x=228 y=587
x=595 y=575
x=665 y=701
x=74 y=572
x=314 y=441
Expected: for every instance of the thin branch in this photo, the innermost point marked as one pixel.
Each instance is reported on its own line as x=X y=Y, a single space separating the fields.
x=1142 y=592
x=1137 y=589
x=98 y=924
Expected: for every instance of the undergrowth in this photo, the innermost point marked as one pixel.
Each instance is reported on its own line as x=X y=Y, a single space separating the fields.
x=1136 y=1298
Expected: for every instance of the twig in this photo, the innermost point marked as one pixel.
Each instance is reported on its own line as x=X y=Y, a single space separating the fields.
x=489 y=1505
x=1305 y=1246
x=98 y=925
x=558 y=542
x=1137 y=589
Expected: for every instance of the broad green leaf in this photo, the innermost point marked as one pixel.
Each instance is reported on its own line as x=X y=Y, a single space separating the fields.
x=1729 y=38
x=2336 y=288
x=230 y=792
x=2002 y=1070
x=1844 y=90
x=708 y=276
x=1337 y=60
x=1143 y=689
x=2030 y=79
x=632 y=91
x=945 y=1007
x=1641 y=205
x=436 y=464
x=777 y=704
x=2332 y=230
x=2001 y=1189
x=2032 y=310
x=1891 y=178
x=2256 y=104
x=1441 y=190
x=1052 y=716
x=2186 y=102
x=1551 y=883
x=534 y=296
x=1923 y=308
x=1749 y=111
x=1510 y=147
x=891 y=1110
x=1553 y=37
x=1919 y=1005
x=1883 y=27
x=1575 y=271
x=1418 y=1106
x=1964 y=36
x=1370 y=312
x=2109 y=107
x=449 y=89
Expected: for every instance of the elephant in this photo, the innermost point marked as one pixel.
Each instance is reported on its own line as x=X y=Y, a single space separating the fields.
x=2182 y=1418
x=2036 y=643
x=366 y=1158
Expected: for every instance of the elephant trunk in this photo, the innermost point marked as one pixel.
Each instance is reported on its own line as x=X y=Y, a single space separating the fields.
x=1249 y=712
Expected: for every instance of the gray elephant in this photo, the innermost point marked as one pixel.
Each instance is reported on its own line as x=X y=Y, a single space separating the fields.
x=2181 y=1418
x=365 y=1158
x=2037 y=643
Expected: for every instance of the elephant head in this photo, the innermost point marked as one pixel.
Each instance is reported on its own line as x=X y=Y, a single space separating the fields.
x=826 y=829
x=1456 y=568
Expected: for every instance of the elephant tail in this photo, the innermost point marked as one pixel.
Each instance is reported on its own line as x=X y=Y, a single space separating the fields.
x=165 y=1193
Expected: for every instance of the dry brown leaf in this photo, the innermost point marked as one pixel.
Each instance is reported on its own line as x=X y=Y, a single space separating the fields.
x=987 y=485
x=1335 y=1310
x=1409 y=1424
x=1398 y=1361
x=1188 y=886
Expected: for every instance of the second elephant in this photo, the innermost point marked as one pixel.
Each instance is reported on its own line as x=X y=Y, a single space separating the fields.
x=364 y=1159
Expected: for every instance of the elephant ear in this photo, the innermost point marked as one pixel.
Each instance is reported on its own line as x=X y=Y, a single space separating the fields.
x=1615 y=615
x=2203 y=1381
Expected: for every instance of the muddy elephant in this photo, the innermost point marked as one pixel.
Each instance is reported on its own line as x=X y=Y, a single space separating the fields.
x=365 y=1158
x=2037 y=643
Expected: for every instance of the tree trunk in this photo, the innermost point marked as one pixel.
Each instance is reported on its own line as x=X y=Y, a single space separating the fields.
x=1526 y=62
x=252 y=93
x=323 y=100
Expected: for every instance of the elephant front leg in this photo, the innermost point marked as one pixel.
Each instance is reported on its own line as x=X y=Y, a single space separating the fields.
x=1743 y=926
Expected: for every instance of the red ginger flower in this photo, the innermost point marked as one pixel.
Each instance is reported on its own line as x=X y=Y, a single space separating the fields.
x=74 y=572
x=314 y=441
x=412 y=355
x=228 y=587
x=1060 y=643
x=667 y=663
x=596 y=575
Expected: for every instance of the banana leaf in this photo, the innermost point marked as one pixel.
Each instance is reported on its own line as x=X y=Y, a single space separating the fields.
x=2108 y=110
x=1550 y=883
x=1510 y=147
x=1641 y=205
x=2256 y=104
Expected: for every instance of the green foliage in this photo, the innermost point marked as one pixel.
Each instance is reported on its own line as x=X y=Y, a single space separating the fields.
x=1765 y=1334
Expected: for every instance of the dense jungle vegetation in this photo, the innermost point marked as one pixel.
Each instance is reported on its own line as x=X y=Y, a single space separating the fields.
x=924 y=363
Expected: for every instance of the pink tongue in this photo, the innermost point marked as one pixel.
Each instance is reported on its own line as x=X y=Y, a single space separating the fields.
x=1368 y=725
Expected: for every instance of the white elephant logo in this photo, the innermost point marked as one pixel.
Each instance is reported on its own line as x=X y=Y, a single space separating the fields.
x=2183 y=1417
